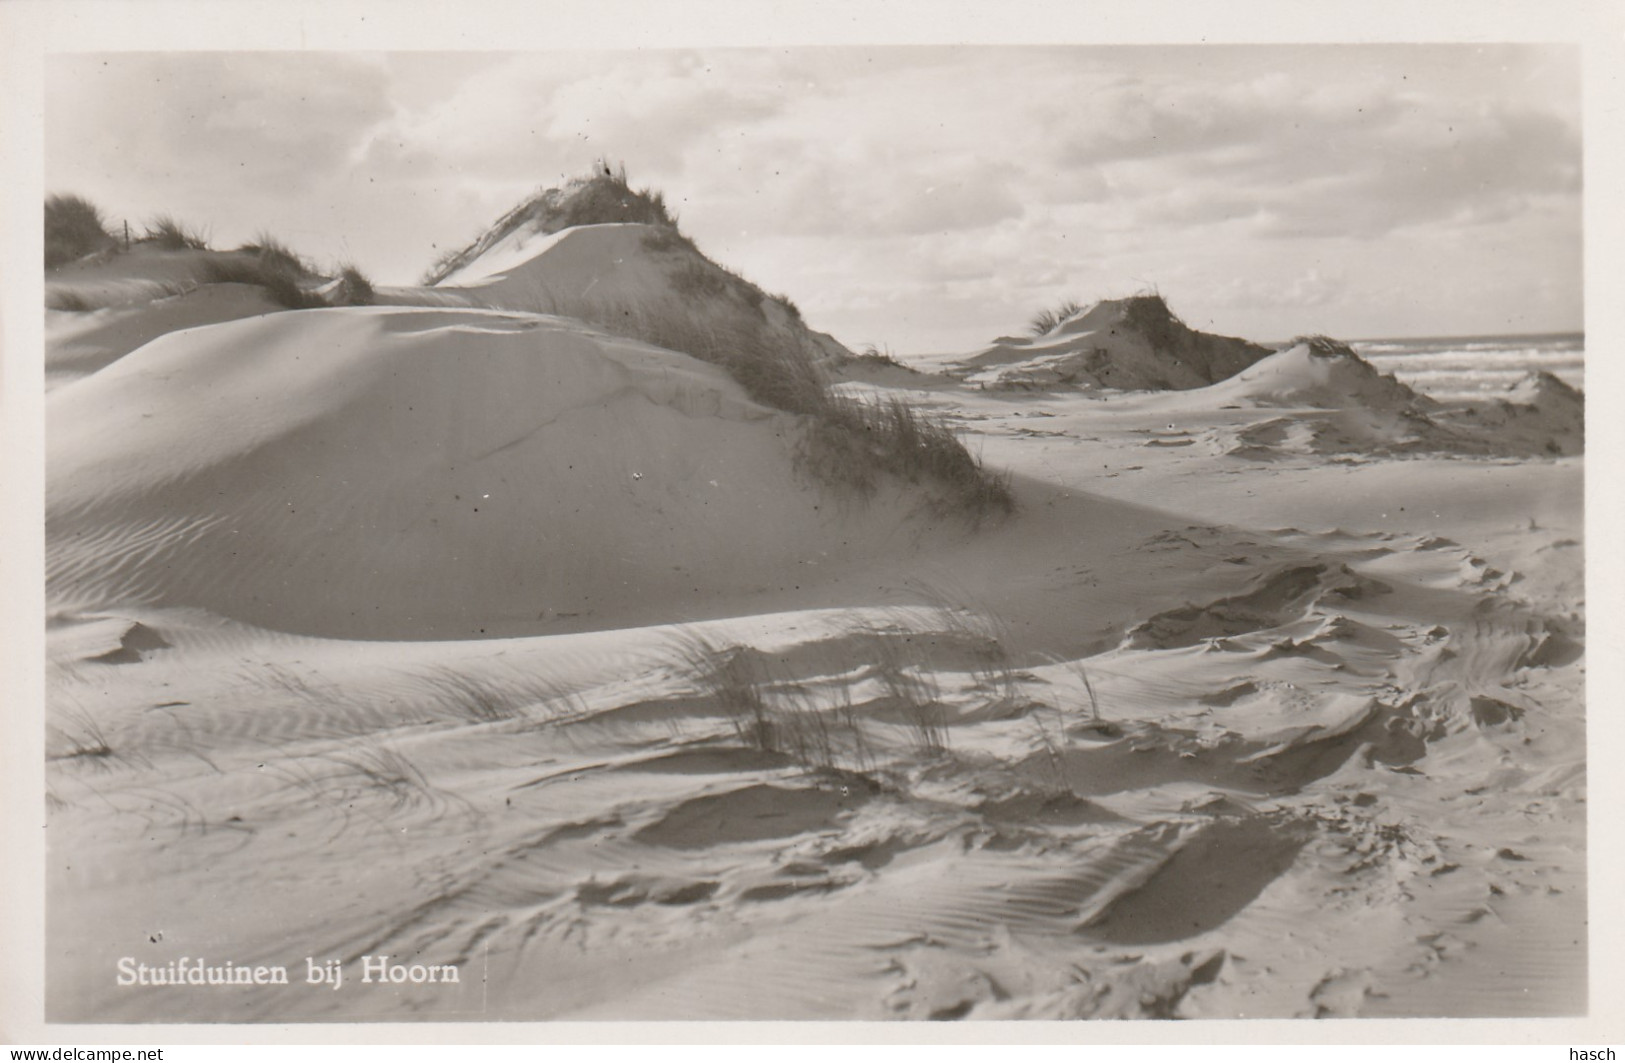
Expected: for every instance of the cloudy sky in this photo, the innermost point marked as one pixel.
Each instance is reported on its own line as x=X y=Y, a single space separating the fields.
x=924 y=198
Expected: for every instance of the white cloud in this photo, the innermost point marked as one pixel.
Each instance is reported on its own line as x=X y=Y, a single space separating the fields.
x=1270 y=184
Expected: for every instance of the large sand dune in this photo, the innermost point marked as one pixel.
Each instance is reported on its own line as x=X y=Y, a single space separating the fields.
x=484 y=639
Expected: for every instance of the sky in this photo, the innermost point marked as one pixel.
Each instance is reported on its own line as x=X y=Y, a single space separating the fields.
x=921 y=199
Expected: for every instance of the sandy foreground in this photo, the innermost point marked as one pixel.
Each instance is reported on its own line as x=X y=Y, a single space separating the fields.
x=482 y=641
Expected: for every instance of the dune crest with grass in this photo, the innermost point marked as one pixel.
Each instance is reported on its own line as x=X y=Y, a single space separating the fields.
x=1136 y=343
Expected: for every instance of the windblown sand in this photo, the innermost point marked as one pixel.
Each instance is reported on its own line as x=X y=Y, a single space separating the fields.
x=479 y=638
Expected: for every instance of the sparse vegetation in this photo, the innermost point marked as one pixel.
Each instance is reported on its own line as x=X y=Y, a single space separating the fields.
x=914 y=694
x=387 y=771
x=169 y=234
x=1096 y=721
x=445 y=264
x=470 y=698
x=667 y=239
x=1149 y=314
x=846 y=441
x=739 y=694
x=74 y=228
x=77 y=736
x=476 y=699
x=789 y=306
x=771 y=709
x=985 y=637
x=607 y=197
x=697 y=279
x=1089 y=688
x=854 y=439
x=700 y=279
x=277 y=255
x=773 y=714
x=361 y=779
x=1324 y=346
x=874 y=356
x=774 y=367
x=1052 y=757
x=67 y=297
x=1045 y=321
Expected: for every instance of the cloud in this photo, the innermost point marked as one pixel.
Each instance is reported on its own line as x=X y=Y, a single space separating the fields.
x=809 y=142
x=1358 y=160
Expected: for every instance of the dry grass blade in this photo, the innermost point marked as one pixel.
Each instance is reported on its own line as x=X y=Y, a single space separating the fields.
x=1089 y=688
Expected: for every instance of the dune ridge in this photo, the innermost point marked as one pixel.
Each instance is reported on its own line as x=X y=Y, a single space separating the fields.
x=1135 y=343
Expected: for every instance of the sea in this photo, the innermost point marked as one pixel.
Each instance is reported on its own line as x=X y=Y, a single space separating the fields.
x=1453 y=368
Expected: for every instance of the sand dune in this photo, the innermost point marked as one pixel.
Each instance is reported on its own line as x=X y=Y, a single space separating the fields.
x=1332 y=402
x=1318 y=373
x=1134 y=343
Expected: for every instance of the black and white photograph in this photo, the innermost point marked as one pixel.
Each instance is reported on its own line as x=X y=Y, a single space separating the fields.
x=1057 y=530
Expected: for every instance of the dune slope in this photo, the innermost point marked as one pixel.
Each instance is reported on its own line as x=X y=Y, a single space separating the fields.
x=490 y=641
x=1128 y=344
x=387 y=472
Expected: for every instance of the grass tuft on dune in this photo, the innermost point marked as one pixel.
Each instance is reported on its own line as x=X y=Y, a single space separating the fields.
x=603 y=196
x=699 y=308
x=1044 y=322
x=268 y=271
x=848 y=442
